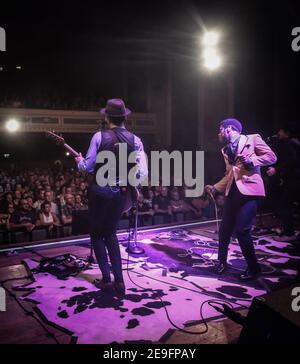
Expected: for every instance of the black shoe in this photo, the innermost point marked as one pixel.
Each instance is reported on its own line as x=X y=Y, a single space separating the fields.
x=221 y=268
x=120 y=288
x=104 y=286
x=250 y=276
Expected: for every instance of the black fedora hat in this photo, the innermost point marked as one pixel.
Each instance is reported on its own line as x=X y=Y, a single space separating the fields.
x=115 y=108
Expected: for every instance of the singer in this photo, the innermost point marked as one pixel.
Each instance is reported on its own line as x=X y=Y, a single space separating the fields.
x=242 y=185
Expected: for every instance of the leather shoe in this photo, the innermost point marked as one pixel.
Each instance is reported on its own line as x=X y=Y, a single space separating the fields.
x=250 y=276
x=104 y=286
x=221 y=268
x=120 y=288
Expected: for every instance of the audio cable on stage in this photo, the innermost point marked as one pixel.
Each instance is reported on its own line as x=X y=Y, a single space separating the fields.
x=223 y=302
x=216 y=209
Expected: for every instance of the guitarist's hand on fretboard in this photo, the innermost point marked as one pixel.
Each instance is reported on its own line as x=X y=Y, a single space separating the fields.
x=79 y=158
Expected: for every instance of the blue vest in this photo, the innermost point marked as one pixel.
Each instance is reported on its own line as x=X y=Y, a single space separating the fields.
x=108 y=140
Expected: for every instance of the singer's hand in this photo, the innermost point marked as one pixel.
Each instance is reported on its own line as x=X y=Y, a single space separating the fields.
x=209 y=189
x=79 y=158
x=271 y=171
x=246 y=160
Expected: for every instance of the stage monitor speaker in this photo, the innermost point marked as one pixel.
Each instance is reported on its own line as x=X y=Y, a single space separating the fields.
x=274 y=318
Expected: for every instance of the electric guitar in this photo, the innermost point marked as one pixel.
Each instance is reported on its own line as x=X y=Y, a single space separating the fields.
x=130 y=191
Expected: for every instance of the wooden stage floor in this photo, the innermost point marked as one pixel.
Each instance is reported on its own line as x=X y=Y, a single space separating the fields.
x=19 y=327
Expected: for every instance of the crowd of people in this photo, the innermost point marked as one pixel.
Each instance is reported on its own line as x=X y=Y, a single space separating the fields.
x=49 y=203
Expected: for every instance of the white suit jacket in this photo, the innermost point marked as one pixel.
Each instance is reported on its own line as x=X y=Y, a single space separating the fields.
x=249 y=182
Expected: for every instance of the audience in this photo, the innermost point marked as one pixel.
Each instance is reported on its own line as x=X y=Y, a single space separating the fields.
x=79 y=204
x=201 y=203
x=145 y=211
x=48 y=199
x=162 y=203
x=49 y=220
x=209 y=211
x=24 y=219
x=5 y=217
x=40 y=199
x=67 y=209
x=179 y=206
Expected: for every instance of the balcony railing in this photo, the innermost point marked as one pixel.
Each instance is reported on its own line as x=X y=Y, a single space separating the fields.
x=40 y=120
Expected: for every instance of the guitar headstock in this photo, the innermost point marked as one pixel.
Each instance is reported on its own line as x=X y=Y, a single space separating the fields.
x=57 y=138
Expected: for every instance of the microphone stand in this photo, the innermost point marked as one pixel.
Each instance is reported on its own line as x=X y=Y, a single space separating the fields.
x=133 y=247
x=90 y=258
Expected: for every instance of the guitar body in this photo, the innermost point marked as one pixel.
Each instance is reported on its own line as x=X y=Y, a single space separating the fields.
x=131 y=192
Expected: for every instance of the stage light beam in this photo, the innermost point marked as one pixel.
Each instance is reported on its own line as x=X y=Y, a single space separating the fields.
x=211 y=39
x=212 y=60
x=12 y=125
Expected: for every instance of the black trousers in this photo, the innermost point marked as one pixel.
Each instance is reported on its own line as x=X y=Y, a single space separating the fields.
x=238 y=216
x=105 y=210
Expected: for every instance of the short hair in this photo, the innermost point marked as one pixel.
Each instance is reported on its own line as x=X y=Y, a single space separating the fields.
x=43 y=205
x=286 y=128
x=118 y=120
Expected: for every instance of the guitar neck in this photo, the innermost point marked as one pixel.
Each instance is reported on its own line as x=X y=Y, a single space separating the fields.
x=71 y=150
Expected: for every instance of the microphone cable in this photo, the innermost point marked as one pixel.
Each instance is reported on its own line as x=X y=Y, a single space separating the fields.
x=157 y=296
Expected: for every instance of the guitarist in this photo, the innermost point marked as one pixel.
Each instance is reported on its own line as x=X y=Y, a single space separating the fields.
x=106 y=204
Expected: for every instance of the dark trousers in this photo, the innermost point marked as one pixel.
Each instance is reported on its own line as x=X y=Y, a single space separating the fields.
x=105 y=210
x=238 y=216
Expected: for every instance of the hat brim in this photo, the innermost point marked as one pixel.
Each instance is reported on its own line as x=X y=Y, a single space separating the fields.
x=127 y=112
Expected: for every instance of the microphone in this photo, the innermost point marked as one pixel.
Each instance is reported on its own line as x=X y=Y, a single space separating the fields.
x=272 y=136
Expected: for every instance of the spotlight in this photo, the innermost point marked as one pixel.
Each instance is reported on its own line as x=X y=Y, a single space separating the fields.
x=212 y=60
x=210 y=56
x=67 y=154
x=210 y=39
x=12 y=125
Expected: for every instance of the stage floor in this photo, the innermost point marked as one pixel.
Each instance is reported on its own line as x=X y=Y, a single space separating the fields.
x=175 y=274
